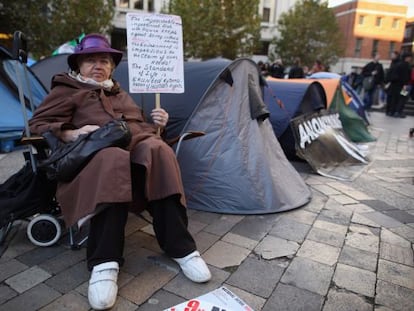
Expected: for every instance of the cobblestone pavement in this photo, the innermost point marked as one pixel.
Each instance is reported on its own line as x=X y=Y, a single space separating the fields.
x=350 y=248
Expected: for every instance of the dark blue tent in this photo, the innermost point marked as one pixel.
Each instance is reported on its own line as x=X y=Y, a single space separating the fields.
x=287 y=99
x=198 y=78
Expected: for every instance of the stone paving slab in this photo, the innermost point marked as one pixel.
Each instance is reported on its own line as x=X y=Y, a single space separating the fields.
x=382 y=219
x=355 y=280
x=273 y=247
x=33 y=299
x=319 y=252
x=394 y=239
x=27 y=279
x=396 y=273
x=397 y=254
x=308 y=274
x=223 y=255
x=359 y=258
x=393 y=296
x=338 y=215
x=327 y=237
x=342 y=300
x=350 y=248
x=291 y=298
x=290 y=229
x=361 y=237
x=257 y=276
x=71 y=301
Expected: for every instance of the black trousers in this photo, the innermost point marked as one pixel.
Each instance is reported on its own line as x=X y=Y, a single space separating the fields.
x=106 y=234
x=393 y=99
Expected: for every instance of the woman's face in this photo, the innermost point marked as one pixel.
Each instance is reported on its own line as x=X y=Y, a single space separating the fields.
x=96 y=66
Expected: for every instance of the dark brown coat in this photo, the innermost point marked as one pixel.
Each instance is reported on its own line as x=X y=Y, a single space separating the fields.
x=107 y=177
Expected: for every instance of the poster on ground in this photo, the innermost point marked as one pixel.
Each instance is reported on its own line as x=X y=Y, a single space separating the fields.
x=321 y=141
x=220 y=299
x=155 y=53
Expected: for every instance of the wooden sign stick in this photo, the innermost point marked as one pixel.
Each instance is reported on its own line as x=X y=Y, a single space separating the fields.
x=158 y=105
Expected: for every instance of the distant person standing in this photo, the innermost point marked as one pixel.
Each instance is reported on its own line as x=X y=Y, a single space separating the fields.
x=389 y=77
x=296 y=72
x=400 y=86
x=412 y=82
x=305 y=71
x=264 y=70
x=373 y=74
x=317 y=67
x=277 y=70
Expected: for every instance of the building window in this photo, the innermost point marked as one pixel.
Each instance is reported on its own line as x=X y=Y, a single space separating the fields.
x=378 y=21
x=358 y=45
x=124 y=4
x=361 y=19
x=150 y=6
x=374 y=47
x=392 y=48
x=266 y=15
x=395 y=23
x=139 y=5
x=262 y=48
x=407 y=32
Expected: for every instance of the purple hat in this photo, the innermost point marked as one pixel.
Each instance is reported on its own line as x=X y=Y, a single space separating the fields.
x=90 y=44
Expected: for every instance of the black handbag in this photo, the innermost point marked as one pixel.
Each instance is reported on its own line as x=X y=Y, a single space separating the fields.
x=66 y=160
x=24 y=194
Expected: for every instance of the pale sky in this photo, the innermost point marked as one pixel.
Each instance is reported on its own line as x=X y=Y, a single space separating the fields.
x=408 y=3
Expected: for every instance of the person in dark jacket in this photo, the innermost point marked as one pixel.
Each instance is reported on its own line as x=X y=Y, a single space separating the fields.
x=373 y=70
x=399 y=89
x=277 y=70
x=395 y=59
x=317 y=67
x=116 y=181
x=296 y=72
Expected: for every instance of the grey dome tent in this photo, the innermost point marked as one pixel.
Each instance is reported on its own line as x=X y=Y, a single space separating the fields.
x=238 y=166
x=47 y=67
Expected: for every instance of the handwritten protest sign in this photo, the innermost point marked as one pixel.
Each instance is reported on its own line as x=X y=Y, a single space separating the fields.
x=155 y=53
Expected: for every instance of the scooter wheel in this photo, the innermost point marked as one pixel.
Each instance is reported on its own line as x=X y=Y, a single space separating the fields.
x=44 y=230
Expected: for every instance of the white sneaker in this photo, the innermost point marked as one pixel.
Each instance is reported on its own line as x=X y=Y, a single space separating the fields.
x=103 y=287
x=194 y=267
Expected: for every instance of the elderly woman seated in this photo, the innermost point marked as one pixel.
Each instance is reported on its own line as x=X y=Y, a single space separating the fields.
x=144 y=175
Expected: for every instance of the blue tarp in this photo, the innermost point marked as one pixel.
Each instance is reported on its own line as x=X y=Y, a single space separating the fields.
x=11 y=117
x=356 y=102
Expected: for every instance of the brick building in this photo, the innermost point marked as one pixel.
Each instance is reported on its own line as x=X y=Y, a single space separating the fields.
x=408 y=41
x=369 y=27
